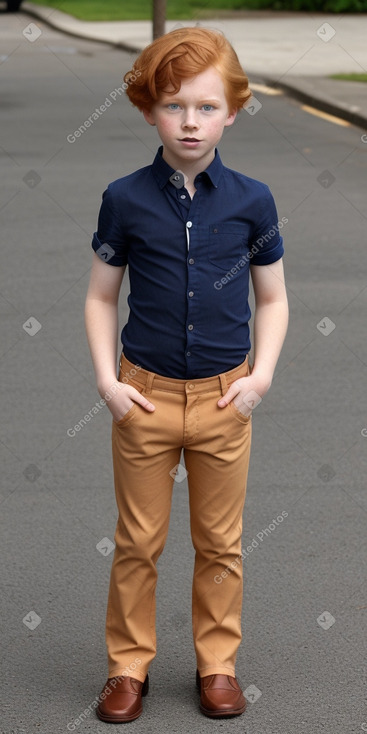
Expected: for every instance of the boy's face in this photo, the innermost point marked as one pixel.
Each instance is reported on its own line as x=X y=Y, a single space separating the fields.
x=191 y=122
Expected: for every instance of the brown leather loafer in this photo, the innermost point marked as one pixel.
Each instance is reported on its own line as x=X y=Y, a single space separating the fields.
x=220 y=695
x=120 y=699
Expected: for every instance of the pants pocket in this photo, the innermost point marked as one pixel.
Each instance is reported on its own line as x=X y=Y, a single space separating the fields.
x=238 y=415
x=125 y=418
x=133 y=410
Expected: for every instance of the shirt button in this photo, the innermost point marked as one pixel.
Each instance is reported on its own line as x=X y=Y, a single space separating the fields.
x=191 y=293
x=190 y=327
x=188 y=225
x=188 y=354
x=183 y=196
x=191 y=261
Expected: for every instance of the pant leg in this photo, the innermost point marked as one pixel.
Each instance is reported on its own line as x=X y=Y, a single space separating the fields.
x=217 y=465
x=145 y=450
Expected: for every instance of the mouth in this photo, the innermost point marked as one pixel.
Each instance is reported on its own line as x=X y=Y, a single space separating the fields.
x=190 y=140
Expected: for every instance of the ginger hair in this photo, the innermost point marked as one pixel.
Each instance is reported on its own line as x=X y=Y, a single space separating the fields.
x=182 y=54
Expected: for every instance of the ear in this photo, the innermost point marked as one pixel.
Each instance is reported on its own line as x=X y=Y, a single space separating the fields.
x=231 y=118
x=149 y=117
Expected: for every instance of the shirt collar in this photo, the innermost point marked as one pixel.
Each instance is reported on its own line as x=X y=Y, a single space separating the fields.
x=162 y=170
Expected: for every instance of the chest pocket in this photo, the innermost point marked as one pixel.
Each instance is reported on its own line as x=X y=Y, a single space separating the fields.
x=227 y=244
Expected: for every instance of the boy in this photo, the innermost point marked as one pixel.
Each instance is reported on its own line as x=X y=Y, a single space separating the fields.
x=189 y=229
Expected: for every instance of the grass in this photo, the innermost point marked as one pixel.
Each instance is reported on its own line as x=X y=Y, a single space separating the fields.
x=350 y=77
x=142 y=10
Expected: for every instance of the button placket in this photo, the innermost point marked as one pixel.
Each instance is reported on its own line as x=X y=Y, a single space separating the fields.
x=188 y=227
x=192 y=235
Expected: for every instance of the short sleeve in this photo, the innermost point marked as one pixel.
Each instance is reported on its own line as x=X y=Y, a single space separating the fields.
x=267 y=244
x=108 y=242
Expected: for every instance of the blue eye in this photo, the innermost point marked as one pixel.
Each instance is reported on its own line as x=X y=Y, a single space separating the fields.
x=173 y=105
x=208 y=107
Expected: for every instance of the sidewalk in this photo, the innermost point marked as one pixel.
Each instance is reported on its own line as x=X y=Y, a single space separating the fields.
x=294 y=51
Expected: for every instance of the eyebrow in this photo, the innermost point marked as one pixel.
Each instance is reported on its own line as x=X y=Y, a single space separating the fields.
x=173 y=98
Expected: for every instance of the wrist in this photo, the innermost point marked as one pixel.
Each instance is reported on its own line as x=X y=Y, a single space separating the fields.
x=263 y=378
x=108 y=388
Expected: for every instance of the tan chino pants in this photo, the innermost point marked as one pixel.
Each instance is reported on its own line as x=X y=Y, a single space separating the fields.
x=146 y=450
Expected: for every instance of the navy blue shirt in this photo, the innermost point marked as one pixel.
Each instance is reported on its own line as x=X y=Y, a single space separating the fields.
x=188 y=263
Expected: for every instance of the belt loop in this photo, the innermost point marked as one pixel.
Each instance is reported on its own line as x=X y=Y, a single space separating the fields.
x=149 y=383
x=223 y=382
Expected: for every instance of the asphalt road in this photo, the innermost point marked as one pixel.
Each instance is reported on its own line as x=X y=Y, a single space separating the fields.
x=302 y=661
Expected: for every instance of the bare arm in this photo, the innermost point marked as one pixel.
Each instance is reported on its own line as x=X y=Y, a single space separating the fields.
x=270 y=327
x=101 y=322
x=271 y=318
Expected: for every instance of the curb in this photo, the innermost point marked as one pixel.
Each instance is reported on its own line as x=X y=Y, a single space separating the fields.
x=324 y=104
x=40 y=12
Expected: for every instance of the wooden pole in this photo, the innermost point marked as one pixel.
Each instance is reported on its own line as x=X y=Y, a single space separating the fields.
x=159 y=18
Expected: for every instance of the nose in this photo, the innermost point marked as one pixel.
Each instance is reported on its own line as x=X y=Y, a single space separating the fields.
x=189 y=120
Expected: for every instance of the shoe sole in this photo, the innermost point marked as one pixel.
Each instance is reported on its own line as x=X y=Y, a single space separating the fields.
x=221 y=714
x=118 y=719
x=113 y=720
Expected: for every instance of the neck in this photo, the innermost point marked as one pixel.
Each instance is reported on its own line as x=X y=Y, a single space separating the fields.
x=189 y=169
